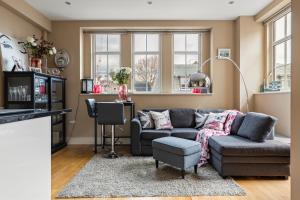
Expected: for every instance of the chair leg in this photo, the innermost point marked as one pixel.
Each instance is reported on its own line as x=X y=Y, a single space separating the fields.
x=112 y=153
x=156 y=163
x=103 y=136
x=95 y=129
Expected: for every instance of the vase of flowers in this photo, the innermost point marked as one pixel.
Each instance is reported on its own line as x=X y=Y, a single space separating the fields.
x=38 y=50
x=121 y=77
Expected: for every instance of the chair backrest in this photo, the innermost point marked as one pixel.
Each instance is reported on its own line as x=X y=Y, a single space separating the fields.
x=90 y=103
x=110 y=113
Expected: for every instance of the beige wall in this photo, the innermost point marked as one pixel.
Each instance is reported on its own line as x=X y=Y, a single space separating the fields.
x=25 y=11
x=15 y=26
x=66 y=34
x=250 y=57
x=277 y=105
x=295 y=100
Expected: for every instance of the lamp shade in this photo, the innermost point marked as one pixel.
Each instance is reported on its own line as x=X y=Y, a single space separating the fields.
x=199 y=79
x=87 y=86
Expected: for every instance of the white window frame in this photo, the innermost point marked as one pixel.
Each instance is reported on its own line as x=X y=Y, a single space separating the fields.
x=199 y=53
x=272 y=45
x=133 y=53
x=106 y=53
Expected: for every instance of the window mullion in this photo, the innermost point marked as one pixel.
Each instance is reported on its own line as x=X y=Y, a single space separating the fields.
x=185 y=68
x=107 y=67
x=146 y=63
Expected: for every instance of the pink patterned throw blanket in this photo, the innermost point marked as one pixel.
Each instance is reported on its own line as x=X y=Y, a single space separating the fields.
x=216 y=125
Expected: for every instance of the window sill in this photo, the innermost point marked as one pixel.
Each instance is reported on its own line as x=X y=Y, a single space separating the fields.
x=151 y=94
x=275 y=92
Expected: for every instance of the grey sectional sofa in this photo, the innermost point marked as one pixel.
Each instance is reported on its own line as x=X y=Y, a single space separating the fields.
x=231 y=155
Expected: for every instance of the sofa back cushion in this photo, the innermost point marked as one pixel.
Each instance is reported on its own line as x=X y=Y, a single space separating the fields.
x=257 y=126
x=183 y=117
x=207 y=111
x=146 y=120
x=237 y=124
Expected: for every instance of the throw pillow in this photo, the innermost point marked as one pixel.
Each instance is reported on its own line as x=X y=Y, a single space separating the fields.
x=216 y=121
x=229 y=120
x=236 y=124
x=257 y=126
x=146 y=119
x=200 y=119
x=161 y=120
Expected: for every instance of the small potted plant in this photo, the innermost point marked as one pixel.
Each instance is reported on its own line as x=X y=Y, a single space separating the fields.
x=121 y=78
x=38 y=49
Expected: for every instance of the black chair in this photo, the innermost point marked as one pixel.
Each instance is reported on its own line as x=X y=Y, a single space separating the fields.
x=111 y=113
x=90 y=103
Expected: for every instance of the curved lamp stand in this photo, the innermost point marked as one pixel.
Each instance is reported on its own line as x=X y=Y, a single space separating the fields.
x=238 y=68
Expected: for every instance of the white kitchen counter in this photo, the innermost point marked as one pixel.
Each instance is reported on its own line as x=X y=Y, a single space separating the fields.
x=25 y=154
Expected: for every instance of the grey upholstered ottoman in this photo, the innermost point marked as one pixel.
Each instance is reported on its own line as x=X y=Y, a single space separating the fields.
x=178 y=152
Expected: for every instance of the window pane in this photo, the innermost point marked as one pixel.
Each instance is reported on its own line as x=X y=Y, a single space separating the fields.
x=146 y=62
x=288 y=52
x=192 y=42
x=101 y=42
x=140 y=75
x=114 y=43
x=153 y=72
x=179 y=59
x=152 y=42
x=179 y=42
x=139 y=42
x=113 y=63
x=279 y=28
x=289 y=23
x=192 y=64
x=279 y=55
x=101 y=66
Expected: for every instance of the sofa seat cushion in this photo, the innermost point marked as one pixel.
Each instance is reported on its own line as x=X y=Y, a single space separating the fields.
x=186 y=133
x=239 y=146
x=151 y=134
x=182 y=117
x=176 y=146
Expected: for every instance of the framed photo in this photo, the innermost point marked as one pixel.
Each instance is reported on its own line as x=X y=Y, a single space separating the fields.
x=35 y=69
x=224 y=52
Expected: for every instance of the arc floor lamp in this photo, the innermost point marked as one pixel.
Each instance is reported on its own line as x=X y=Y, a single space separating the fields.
x=237 y=68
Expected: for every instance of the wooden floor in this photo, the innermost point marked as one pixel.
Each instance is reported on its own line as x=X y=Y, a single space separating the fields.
x=67 y=162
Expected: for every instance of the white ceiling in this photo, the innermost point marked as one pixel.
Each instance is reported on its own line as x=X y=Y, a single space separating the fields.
x=140 y=10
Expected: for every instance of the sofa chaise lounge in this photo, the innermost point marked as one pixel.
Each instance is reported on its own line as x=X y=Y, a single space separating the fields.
x=231 y=155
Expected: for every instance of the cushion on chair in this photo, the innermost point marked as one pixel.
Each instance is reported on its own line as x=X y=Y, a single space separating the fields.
x=151 y=134
x=186 y=133
x=233 y=145
x=176 y=145
x=182 y=117
x=256 y=126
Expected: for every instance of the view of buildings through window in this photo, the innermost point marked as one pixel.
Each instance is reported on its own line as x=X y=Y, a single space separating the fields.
x=107 y=58
x=281 y=51
x=187 y=60
x=146 y=59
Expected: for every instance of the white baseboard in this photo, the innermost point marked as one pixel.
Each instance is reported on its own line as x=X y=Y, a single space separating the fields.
x=90 y=140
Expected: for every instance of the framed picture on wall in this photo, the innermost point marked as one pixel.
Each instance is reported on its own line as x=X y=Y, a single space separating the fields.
x=12 y=57
x=224 y=52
